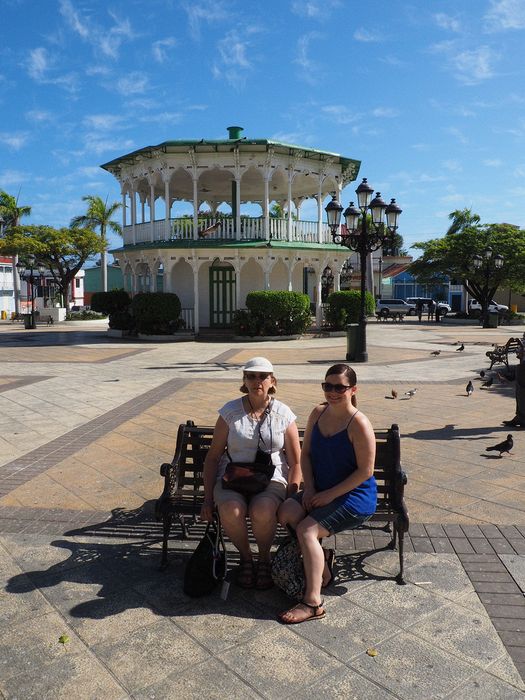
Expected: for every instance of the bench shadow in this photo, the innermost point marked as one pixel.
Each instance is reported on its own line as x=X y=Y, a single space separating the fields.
x=451 y=432
x=124 y=574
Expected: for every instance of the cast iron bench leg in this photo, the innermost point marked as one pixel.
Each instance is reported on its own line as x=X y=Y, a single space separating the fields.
x=399 y=578
x=166 y=527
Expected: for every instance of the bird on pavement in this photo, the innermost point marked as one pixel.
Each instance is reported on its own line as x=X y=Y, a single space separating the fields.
x=488 y=383
x=436 y=352
x=410 y=393
x=461 y=348
x=469 y=388
x=482 y=373
x=394 y=394
x=501 y=447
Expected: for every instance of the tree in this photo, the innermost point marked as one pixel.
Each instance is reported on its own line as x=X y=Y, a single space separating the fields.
x=62 y=251
x=462 y=219
x=12 y=213
x=99 y=215
x=452 y=256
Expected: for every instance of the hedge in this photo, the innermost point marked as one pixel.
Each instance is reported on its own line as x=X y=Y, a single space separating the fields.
x=344 y=307
x=156 y=313
x=273 y=313
x=110 y=302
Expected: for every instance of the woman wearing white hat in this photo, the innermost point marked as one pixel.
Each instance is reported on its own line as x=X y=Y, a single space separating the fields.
x=254 y=422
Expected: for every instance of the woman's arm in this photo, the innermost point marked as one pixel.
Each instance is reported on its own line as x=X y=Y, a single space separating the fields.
x=362 y=436
x=211 y=464
x=292 y=447
x=306 y=464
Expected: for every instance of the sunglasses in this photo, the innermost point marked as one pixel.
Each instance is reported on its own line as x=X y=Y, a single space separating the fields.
x=327 y=387
x=261 y=376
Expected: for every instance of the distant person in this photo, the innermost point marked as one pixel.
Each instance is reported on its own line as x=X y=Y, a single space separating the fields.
x=438 y=313
x=518 y=374
x=431 y=309
x=419 y=309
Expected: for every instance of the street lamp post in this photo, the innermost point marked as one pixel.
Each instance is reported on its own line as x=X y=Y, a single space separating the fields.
x=380 y=285
x=488 y=264
x=21 y=267
x=363 y=238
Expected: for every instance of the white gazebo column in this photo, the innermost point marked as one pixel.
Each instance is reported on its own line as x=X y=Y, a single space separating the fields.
x=142 y=207
x=290 y=273
x=266 y=207
x=238 y=207
x=195 y=207
x=133 y=215
x=167 y=203
x=318 y=301
x=237 y=265
x=195 y=268
x=337 y=280
x=124 y=218
x=289 y=222
x=151 y=203
x=320 y=212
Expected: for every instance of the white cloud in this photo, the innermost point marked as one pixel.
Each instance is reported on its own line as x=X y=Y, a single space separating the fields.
x=366 y=36
x=505 y=14
x=309 y=68
x=457 y=133
x=493 y=162
x=453 y=165
x=97 y=145
x=341 y=114
x=8 y=178
x=165 y=118
x=199 y=11
x=159 y=48
x=15 y=140
x=102 y=122
x=134 y=83
x=388 y=112
x=447 y=22
x=474 y=66
x=38 y=116
x=232 y=50
x=38 y=63
x=314 y=9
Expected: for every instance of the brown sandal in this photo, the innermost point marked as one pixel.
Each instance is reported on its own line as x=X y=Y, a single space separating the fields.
x=329 y=558
x=245 y=575
x=314 y=613
x=264 y=579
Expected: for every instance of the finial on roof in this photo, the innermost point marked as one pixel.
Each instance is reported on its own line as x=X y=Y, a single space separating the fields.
x=234 y=132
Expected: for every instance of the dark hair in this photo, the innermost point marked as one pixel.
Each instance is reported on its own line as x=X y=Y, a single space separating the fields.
x=348 y=372
x=244 y=389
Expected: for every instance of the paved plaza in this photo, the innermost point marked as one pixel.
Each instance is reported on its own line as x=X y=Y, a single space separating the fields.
x=86 y=421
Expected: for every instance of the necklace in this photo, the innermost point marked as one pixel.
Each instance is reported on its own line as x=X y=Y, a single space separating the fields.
x=253 y=412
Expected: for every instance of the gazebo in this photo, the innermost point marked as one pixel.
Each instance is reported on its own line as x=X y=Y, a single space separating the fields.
x=212 y=220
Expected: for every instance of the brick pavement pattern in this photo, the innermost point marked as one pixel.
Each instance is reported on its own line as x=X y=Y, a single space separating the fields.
x=84 y=425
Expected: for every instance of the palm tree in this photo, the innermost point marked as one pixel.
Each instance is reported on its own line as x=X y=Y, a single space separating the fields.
x=462 y=219
x=99 y=215
x=12 y=213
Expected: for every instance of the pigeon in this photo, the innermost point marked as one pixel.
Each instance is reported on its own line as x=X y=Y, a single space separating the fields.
x=209 y=230
x=501 y=447
x=394 y=394
x=436 y=352
x=461 y=348
x=410 y=393
x=488 y=383
x=482 y=373
x=469 y=388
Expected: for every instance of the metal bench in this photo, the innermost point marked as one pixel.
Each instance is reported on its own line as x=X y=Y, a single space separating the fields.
x=386 y=314
x=500 y=353
x=183 y=492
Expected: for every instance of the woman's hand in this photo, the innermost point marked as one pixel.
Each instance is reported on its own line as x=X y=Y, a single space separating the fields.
x=320 y=499
x=308 y=495
x=207 y=511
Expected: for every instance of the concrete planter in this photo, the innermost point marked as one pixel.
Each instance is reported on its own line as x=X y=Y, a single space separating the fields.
x=175 y=338
x=117 y=333
x=259 y=338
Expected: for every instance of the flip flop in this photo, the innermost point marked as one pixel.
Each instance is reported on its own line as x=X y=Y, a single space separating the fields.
x=329 y=557
x=314 y=613
x=263 y=580
x=245 y=575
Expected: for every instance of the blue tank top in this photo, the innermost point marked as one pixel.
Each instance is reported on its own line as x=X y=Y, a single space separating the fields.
x=333 y=460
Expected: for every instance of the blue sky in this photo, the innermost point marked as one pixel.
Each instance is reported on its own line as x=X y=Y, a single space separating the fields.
x=429 y=95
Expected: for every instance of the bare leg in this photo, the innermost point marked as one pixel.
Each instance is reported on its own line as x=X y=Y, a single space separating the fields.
x=264 y=524
x=233 y=520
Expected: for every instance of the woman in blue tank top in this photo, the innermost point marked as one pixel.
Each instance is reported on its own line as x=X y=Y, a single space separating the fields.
x=340 y=491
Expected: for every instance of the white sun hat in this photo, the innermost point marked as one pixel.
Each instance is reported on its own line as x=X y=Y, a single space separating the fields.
x=258 y=364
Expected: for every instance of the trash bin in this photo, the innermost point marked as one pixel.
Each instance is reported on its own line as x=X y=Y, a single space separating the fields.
x=514 y=308
x=493 y=319
x=352 y=341
x=28 y=321
x=4 y=315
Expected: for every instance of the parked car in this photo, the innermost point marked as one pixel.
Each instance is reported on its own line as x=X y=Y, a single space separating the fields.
x=394 y=306
x=475 y=307
x=443 y=307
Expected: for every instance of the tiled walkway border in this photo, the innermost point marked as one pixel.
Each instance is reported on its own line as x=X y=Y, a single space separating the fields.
x=21 y=470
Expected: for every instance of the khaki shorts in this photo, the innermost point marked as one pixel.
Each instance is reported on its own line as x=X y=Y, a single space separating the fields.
x=275 y=490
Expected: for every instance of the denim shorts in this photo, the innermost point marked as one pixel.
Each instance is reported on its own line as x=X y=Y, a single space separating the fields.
x=334 y=518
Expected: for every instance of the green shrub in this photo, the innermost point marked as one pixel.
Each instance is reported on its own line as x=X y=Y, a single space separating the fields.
x=84 y=316
x=156 y=313
x=344 y=307
x=274 y=313
x=121 y=321
x=109 y=302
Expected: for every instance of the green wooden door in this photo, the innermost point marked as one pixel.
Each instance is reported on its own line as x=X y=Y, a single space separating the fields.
x=222 y=296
